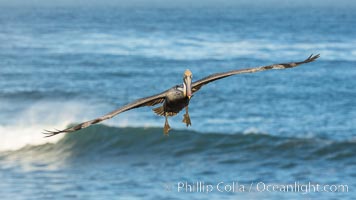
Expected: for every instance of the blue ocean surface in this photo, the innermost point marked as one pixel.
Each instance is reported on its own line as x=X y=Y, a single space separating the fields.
x=250 y=133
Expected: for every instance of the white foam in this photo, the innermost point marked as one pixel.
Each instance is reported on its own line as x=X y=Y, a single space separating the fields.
x=26 y=127
x=254 y=131
x=205 y=48
x=187 y=47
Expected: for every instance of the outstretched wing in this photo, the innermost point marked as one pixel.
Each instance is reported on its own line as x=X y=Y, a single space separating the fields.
x=148 y=101
x=198 y=84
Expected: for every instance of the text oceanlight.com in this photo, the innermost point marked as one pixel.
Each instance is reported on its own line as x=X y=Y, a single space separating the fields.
x=232 y=187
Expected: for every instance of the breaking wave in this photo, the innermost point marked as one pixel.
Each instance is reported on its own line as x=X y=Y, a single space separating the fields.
x=101 y=141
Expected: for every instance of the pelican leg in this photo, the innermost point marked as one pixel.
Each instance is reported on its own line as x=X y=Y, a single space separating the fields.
x=166 y=126
x=186 y=118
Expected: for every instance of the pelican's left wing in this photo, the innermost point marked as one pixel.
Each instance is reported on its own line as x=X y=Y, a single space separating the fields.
x=148 y=101
x=198 y=84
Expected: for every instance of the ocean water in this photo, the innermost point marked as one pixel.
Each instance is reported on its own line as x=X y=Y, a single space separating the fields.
x=250 y=132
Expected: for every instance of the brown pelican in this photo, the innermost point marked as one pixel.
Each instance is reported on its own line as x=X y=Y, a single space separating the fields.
x=177 y=97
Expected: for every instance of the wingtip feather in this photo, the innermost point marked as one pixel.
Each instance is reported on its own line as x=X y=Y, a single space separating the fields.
x=48 y=133
x=312 y=58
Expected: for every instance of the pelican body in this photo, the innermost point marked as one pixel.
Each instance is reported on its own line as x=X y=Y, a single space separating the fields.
x=174 y=102
x=177 y=98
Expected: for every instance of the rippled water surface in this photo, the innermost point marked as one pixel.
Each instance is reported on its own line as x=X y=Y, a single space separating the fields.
x=60 y=66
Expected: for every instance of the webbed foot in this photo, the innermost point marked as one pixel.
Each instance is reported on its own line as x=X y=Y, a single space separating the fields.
x=166 y=128
x=186 y=119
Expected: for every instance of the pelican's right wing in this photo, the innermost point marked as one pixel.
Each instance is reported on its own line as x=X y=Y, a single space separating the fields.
x=198 y=84
x=148 y=101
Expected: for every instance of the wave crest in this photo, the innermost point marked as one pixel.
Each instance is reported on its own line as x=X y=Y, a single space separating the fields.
x=102 y=142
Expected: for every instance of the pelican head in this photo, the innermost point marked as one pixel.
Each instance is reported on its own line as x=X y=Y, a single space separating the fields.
x=187 y=83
